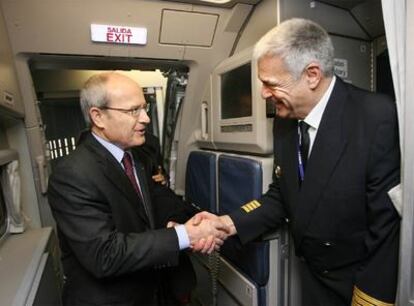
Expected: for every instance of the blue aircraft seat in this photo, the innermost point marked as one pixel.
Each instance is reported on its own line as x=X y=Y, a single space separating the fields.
x=240 y=181
x=200 y=180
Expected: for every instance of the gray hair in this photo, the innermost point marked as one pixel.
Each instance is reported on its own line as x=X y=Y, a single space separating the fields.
x=94 y=94
x=298 y=42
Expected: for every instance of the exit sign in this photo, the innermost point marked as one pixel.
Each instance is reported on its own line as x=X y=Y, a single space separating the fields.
x=118 y=34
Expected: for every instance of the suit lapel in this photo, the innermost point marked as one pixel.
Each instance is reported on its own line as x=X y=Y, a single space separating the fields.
x=139 y=167
x=289 y=160
x=113 y=171
x=327 y=150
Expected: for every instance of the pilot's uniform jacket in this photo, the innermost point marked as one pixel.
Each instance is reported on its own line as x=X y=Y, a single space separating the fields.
x=344 y=225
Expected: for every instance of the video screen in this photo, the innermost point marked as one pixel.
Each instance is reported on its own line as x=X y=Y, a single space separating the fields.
x=236 y=93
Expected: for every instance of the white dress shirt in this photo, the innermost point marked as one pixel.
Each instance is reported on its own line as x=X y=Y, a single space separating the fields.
x=315 y=116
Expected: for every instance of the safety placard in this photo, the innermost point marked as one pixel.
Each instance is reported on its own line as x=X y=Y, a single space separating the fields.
x=118 y=34
x=341 y=67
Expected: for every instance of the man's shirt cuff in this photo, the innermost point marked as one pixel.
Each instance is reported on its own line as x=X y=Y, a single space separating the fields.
x=183 y=240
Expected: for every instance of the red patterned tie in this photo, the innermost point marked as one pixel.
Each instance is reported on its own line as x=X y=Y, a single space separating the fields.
x=127 y=162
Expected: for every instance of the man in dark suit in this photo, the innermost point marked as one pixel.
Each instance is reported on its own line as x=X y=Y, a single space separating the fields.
x=181 y=279
x=111 y=217
x=336 y=157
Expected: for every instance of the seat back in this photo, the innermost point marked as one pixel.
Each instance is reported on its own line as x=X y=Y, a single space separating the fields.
x=240 y=181
x=200 y=180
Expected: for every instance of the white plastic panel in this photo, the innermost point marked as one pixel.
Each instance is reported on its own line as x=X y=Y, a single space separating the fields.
x=175 y=28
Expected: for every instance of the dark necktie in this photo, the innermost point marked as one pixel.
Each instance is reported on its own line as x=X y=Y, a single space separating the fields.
x=304 y=142
x=127 y=162
x=129 y=171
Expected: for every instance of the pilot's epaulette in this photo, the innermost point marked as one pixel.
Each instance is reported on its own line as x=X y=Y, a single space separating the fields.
x=360 y=298
x=251 y=206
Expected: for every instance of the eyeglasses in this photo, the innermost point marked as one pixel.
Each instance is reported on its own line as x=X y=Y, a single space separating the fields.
x=135 y=112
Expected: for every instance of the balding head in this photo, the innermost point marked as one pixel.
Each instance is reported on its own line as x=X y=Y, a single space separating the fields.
x=100 y=88
x=115 y=108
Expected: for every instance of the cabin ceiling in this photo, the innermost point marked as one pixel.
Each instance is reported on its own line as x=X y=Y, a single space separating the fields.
x=218 y=3
x=63 y=62
x=368 y=14
x=346 y=4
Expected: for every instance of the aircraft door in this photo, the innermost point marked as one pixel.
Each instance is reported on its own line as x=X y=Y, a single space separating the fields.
x=62 y=120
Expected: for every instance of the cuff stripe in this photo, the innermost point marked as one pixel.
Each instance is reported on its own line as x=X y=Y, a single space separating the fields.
x=251 y=206
x=360 y=298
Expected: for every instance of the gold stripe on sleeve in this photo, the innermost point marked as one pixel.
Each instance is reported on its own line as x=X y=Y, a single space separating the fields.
x=248 y=207
x=245 y=208
x=360 y=298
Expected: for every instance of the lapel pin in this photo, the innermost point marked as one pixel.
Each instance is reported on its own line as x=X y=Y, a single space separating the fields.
x=278 y=172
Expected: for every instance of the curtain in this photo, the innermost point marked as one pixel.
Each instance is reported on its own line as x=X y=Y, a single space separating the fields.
x=394 y=13
x=398 y=30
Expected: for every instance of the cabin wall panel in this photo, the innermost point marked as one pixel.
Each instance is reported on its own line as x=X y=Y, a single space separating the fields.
x=357 y=55
x=28 y=93
x=347 y=36
x=236 y=20
x=175 y=28
x=190 y=122
x=4 y=144
x=333 y=19
x=199 y=87
x=35 y=203
x=263 y=18
x=12 y=127
x=338 y=22
x=269 y=13
x=201 y=62
x=63 y=27
x=18 y=138
x=369 y=13
x=9 y=88
x=36 y=153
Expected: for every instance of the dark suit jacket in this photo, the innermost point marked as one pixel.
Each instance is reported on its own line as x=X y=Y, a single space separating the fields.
x=111 y=252
x=343 y=223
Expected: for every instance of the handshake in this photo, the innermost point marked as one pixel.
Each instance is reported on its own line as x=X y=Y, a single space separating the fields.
x=207 y=231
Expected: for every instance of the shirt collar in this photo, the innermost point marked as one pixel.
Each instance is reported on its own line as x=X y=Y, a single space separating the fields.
x=315 y=116
x=117 y=152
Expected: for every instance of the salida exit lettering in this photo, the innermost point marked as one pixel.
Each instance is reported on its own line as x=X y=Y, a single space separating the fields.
x=118 y=35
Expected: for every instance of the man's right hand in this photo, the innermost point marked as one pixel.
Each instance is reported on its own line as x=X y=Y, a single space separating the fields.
x=212 y=242
x=206 y=234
